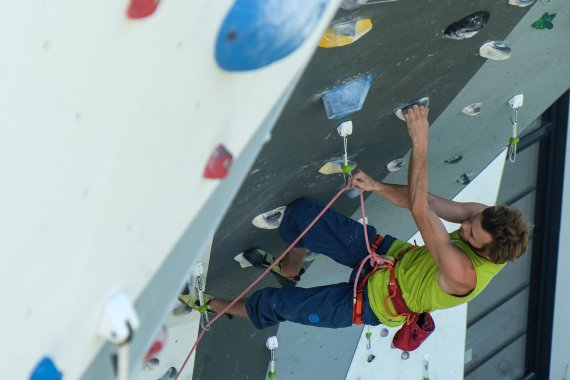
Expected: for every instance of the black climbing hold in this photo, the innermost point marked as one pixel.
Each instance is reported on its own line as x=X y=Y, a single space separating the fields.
x=468 y=26
x=170 y=374
x=454 y=159
x=370 y=358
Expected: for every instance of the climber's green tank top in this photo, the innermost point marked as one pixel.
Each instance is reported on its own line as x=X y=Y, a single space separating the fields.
x=417 y=275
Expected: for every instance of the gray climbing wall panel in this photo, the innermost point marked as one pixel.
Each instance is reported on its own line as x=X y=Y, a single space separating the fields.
x=408 y=57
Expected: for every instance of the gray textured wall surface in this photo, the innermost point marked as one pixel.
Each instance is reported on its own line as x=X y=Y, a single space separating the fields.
x=408 y=58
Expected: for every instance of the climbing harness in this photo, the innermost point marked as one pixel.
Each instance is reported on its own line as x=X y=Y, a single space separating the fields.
x=418 y=326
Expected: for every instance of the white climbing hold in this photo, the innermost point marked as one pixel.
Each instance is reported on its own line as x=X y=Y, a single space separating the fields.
x=352 y=4
x=397 y=164
x=421 y=102
x=473 y=109
x=521 y=3
x=333 y=166
x=271 y=219
x=243 y=262
x=495 y=50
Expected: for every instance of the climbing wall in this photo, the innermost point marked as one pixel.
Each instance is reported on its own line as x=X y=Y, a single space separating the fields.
x=122 y=121
x=403 y=53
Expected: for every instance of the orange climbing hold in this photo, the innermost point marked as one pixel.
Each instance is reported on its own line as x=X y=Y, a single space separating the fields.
x=142 y=8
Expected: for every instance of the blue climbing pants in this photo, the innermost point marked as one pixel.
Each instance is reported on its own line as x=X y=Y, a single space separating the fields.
x=334 y=235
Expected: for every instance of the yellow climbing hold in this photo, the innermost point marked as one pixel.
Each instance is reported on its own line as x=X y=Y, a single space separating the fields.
x=345 y=33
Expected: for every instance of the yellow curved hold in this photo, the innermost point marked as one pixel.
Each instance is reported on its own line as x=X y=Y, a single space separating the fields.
x=345 y=33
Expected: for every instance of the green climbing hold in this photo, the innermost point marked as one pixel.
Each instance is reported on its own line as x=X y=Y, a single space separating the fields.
x=346 y=168
x=545 y=22
x=454 y=159
x=272 y=375
x=514 y=140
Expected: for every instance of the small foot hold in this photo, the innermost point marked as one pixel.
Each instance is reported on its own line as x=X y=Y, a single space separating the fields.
x=473 y=109
x=262 y=259
x=150 y=365
x=397 y=164
x=334 y=166
x=269 y=220
x=495 y=50
x=545 y=22
x=420 y=102
x=521 y=3
x=170 y=374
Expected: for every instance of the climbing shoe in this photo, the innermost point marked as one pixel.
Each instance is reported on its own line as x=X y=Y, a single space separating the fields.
x=263 y=259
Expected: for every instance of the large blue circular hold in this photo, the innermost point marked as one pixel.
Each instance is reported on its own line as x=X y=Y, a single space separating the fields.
x=256 y=33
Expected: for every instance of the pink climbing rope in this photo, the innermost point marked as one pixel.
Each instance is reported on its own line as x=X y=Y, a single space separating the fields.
x=373 y=257
x=275 y=262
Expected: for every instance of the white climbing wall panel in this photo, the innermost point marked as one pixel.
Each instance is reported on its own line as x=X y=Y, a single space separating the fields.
x=106 y=127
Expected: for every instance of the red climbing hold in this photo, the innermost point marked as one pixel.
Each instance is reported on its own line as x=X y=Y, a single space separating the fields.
x=218 y=164
x=142 y=8
x=157 y=345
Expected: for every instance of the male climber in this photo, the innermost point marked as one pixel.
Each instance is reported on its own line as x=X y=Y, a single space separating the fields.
x=450 y=269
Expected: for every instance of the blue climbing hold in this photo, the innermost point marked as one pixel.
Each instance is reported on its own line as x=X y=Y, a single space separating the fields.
x=256 y=33
x=46 y=370
x=346 y=99
x=314 y=318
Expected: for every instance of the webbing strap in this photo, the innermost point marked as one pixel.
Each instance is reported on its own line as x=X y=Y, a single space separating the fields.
x=394 y=291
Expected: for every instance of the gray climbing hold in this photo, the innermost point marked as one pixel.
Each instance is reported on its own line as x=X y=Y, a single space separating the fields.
x=170 y=374
x=495 y=50
x=473 y=109
x=420 y=102
x=405 y=355
x=352 y=4
x=454 y=159
x=384 y=332
x=151 y=364
x=397 y=164
x=370 y=358
x=463 y=179
x=271 y=219
x=468 y=26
